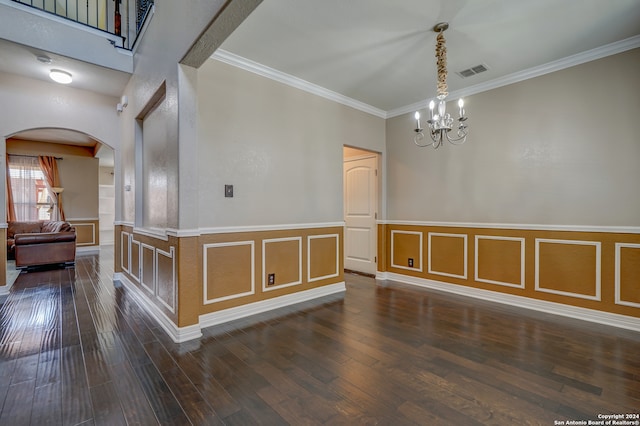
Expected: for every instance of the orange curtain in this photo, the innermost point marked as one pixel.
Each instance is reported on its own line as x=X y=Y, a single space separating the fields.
x=11 y=211
x=49 y=167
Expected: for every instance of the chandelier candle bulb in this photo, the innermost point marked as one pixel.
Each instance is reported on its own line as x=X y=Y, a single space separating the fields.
x=431 y=106
x=461 y=107
x=417 y=120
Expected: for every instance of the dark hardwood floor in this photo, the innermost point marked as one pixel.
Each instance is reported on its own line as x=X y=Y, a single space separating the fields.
x=75 y=349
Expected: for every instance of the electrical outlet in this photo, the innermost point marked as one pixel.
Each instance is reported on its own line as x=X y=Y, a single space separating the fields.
x=410 y=262
x=271 y=280
x=228 y=191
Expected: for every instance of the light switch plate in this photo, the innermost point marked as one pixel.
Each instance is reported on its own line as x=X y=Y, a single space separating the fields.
x=228 y=191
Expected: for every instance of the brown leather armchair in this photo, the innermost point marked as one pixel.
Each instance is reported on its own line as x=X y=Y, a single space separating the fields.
x=42 y=243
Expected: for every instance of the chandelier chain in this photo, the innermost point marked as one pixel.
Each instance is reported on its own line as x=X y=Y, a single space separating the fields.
x=441 y=63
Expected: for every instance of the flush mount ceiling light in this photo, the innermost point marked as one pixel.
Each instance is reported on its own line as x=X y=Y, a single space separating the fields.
x=440 y=122
x=60 y=76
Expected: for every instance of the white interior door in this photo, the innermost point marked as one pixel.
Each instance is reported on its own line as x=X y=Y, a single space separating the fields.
x=360 y=214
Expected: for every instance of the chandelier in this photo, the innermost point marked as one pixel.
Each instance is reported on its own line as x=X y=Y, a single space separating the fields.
x=440 y=121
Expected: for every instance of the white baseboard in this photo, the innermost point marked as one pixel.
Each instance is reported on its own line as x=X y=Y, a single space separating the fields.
x=80 y=251
x=183 y=334
x=606 y=318
x=226 y=315
x=177 y=334
x=4 y=290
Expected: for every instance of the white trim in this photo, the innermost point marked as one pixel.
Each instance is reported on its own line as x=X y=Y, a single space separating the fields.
x=123 y=223
x=87 y=250
x=606 y=318
x=230 y=314
x=183 y=232
x=152 y=232
x=619 y=301
x=93 y=233
x=264 y=263
x=522 y=257
x=144 y=246
x=205 y=299
x=170 y=255
x=76 y=219
x=569 y=61
x=163 y=234
x=292 y=81
x=133 y=274
x=177 y=334
x=518 y=226
x=128 y=237
x=596 y=244
x=261 y=228
x=323 y=277
x=393 y=265
x=6 y=289
x=465 y=254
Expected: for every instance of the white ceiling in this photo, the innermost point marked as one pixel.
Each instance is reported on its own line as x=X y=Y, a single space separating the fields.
x=381 y=52
x=22 y=60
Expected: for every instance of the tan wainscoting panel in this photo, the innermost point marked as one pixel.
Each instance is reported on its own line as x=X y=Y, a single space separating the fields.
x=150 y=263
x=597 y=270
x=125 y=245
x=86 y=232
x=282 y=257
x=323 y=253
x=117 y=248
x=500 y=260
x=166 y=278
x=232 y=278
x=406 y=245
x=228 y=270
x=148 y=274
x=448 y=254
x=568 y=267
x=628 y=274
x=134 y=270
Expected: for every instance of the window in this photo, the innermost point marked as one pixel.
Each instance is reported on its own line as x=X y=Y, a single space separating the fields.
x=31 y=197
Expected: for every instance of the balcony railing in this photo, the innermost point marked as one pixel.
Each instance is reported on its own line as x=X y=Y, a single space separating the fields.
x=123 y=18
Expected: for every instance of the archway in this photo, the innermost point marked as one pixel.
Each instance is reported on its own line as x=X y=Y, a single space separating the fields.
x=87 y=175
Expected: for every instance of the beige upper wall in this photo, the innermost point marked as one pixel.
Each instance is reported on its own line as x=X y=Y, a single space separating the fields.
x=37 y=104
x=79 y=178
x=561 y=149
x=172 y=30
x=281 y=148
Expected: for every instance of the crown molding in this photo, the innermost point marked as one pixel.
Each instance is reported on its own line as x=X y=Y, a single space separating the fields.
x=298 y=83
x=560 y=64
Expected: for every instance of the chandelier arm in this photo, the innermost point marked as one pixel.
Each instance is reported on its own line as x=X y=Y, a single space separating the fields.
x=462 y=138
x=420 y=137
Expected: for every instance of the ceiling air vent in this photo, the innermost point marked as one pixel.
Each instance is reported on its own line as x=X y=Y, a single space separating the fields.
x=472 y=71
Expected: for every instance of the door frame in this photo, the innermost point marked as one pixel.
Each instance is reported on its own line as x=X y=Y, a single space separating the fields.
x=366 y=153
